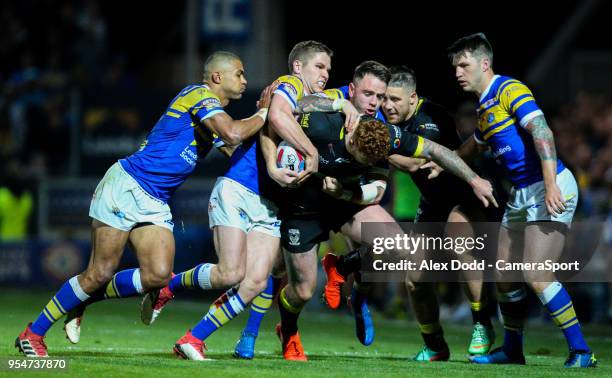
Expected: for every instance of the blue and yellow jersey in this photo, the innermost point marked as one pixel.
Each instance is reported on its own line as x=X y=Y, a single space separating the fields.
x=507 y=106
x=170 y=152
x=291 y=89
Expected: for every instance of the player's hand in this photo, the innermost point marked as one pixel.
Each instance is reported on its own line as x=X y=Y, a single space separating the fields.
x=483 y=191
x=352 y=116
x=434 y=169
x=284 y=177
x=311 y=165
x=265 y=98
x=332 y=186
x=554 y=200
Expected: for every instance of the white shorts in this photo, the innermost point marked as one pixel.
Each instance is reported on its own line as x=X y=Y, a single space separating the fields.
x=120 y=202
x=231 y=204
x=527 y=204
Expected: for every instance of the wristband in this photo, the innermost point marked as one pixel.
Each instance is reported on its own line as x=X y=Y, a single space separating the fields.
x=263 y=113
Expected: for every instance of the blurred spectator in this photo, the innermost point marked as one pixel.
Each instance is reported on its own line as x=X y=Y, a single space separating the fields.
x=16 y=204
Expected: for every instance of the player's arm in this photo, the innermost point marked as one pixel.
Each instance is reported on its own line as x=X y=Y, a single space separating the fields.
x=283 y=176
x=367 y=194
x=544 y=143
x=451 y=162
x=406 y=163
x=286 y=127
x=233 y=132
x=314 y=103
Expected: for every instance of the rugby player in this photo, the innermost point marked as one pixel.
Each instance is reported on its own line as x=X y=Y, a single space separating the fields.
x=542 y=202
x=130 y=204
x=403 y=107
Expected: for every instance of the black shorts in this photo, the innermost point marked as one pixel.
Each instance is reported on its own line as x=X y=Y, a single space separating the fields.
x=439 y=211
x=301 y=232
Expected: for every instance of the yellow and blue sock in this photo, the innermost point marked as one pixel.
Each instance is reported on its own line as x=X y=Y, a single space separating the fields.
x=196 y=277
x=513 y=308
x=559 y=305
x=124 y=284
x=68 y=297
x=224 y=309
x=259 y=306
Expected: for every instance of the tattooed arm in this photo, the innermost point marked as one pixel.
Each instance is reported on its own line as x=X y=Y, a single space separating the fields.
x=544 y=143
x=451 y=162
x=313 y=103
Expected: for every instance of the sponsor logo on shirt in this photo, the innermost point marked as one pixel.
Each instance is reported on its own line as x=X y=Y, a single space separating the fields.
x=501 y=151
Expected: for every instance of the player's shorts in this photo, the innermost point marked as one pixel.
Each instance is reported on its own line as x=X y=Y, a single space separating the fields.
x=527 y=204
x=233 y=205
x=120 y=202
x=300 y=233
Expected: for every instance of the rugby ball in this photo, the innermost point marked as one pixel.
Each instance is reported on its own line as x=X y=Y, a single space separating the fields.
x=289 y=157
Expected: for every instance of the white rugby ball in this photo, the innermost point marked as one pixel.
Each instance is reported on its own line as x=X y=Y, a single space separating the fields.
x=289 y=157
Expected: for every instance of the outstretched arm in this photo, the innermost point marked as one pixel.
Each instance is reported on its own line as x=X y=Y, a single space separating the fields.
x=451 y=162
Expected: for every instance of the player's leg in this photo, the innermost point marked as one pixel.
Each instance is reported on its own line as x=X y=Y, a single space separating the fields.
x=483 y=335
x=364 y=326
x=301 y=284
x=107 y=246
x=512 y=303
x=262 y=249
x=544 y=241
x=245 y=347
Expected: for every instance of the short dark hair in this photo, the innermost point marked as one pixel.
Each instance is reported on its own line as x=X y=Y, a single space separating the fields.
x=371 y=137
x=403 y=76
x=476 y=44
x=215 y=58
x=303 y=50
x=374 y=68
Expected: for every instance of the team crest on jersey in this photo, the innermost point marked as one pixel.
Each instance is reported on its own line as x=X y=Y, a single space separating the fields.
x=294 y=236
x=396 y=143
x=490 y=118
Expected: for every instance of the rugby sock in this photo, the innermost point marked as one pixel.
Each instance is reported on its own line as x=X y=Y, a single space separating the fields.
x=224 y=309
x=480 y=313
x=289 y=314
x=349 y=263
x=196 y=277
x=433 y=336
x=68 y=297
x=124 y=284
x=260 y=305
x=559 y=305
x=513 y=308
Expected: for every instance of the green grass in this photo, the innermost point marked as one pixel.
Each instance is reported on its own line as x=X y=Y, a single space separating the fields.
x=115 y=344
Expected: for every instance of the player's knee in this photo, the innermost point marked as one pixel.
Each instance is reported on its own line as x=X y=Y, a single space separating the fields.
x=155 y=278
x=96 y=277
x=304 y=291
x=229 y=277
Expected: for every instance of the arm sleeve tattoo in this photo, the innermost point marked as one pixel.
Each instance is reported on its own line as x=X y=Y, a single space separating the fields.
x=448 y=160
x=312 y=103
x=543 y=138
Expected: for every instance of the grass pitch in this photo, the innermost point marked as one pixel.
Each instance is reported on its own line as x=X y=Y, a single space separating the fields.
x=114 y=343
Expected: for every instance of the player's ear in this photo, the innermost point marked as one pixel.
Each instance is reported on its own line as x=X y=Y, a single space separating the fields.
x=485 y=64
x=351 y=90
x=297 y=66
x=216 y=77
x=413 y=98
